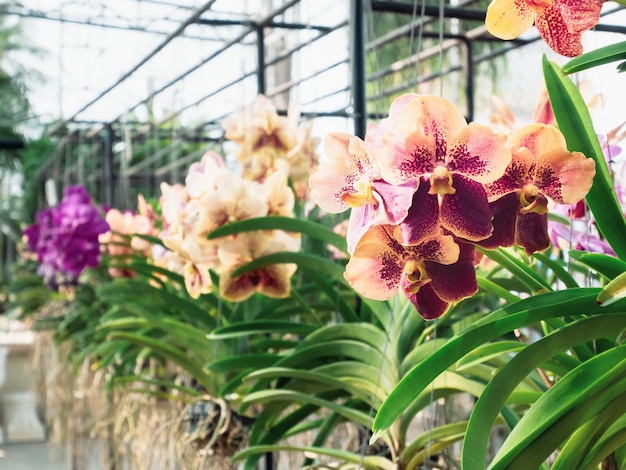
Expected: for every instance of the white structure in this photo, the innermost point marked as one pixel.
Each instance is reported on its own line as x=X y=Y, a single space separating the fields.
x=20 y=422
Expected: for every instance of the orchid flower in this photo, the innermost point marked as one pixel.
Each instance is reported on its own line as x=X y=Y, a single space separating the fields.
x=65 y=237
x=541 y=168
x=350 y=178
x=272 y=280
x=265 y=139
x=430 y=144
x=559 y=22
x=432 y=274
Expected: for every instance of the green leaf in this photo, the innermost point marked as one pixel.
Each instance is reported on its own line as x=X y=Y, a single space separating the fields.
x=611 y=396
x=487 y=352
x=257 y=327
x=557 y=268
x=497 y=324
x=600 y=56
x=519 y=269
x=570 y=391
x=369 y=462
x=310 y=376
x=613 y=291
x=304 y=261
x=590 y=438
x=347 y=412
x=493 y=288
x=497 y=390
x=173 y=354
x=575 y=123
x=608 y=266
x=288 y=224
x=242 y=362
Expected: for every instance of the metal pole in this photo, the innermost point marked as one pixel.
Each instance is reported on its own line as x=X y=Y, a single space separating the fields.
x=107 y=166
x=260 y=54
x=357 y=55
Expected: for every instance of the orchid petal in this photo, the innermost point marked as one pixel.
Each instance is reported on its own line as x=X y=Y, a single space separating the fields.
x=457 y=281
x=376 y=266
x=466 y=212
x=516 y=174
x=407 y=158
x=508 y=19
x=537 y=138
x=236 y=289
x=421 y=132
x=197 y=279
x=479 y=153
x=580 y=15
x=395 y=200
x=422 y=220
x=427 y=303
x=565 y=177
x=531 y=232
x=275 y=280
x=554 y=30
x=349 y=164
x=505 y=212
x=359 y=223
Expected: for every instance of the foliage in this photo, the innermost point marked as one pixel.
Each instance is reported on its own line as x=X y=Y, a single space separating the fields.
x=539 y=349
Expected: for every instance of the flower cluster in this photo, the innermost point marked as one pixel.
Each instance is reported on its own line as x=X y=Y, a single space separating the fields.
x=425 y=187
x=65 y=237
x=559 y=22
x=212 y=196
x=116 y=241
x=268 y=142
x=574 y=227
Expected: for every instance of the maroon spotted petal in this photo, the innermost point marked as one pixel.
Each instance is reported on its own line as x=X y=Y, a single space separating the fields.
x=454 y=282
x=427 y=302
x=532 y=232
x=505 y=212
x=396 y=199
x=466 y=212
x=422 y=220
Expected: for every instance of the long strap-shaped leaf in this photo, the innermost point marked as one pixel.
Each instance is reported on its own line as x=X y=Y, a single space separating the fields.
x=288 y=224
x=588 y=440
x=571 y=391
x=504 y=320
x=369 y=462
x=496 y=392
x=575 y=123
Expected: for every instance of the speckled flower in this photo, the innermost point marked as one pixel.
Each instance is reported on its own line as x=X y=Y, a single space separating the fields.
x=429 y=142
x=541 y=168
x=273 y=280
x=350 y=178
x=432 y=274
x=65 y=237
x=559 y=22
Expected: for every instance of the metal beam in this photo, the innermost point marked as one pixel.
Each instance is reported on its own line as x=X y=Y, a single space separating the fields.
x=357 y=55
x=177 y=32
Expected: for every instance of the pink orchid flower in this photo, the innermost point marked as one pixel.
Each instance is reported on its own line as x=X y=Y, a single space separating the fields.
x=350 y=178
x=559 y=22
x=430 y=143
x=541 y=168
x=273 y=280
x=432 y=274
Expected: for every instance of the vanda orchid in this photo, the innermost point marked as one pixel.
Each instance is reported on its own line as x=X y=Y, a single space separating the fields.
x=559 y=22
x=214 y=195
x=425 y=187
x=420 y=173
x=542 y=167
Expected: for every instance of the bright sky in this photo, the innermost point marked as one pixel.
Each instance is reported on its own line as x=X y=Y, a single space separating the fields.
x=81 y=61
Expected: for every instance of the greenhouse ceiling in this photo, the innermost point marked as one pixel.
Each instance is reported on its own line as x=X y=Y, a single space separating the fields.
x=144 y=61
